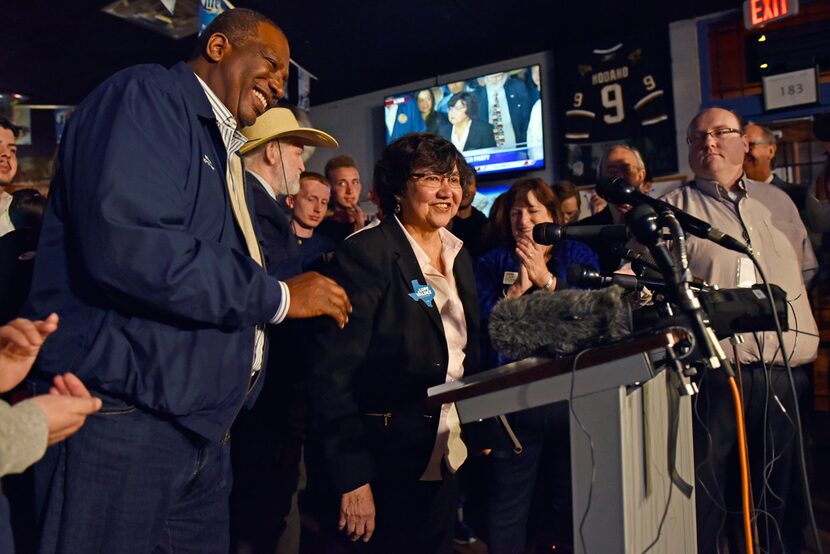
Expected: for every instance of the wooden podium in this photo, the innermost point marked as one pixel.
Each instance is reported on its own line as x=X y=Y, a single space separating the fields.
x=620 y=397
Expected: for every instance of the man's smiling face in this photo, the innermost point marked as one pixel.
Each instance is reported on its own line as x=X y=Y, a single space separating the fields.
x=253 y=73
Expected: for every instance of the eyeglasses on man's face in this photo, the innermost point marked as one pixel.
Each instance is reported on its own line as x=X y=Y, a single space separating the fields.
x=720 y=135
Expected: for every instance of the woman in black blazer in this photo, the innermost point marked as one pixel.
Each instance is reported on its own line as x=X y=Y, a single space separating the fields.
x=462 y=110
x=387 y=458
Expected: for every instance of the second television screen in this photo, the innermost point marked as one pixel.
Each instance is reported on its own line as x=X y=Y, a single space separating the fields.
x=495 y=120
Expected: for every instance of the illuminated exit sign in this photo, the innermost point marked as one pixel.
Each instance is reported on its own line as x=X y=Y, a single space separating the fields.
x=758 y=13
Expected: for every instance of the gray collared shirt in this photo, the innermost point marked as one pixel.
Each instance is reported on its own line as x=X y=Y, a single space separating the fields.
x=765 y=217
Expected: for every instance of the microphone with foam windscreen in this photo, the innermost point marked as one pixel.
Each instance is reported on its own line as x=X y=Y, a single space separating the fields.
x=567 y=321
x=618 y=191
x=564 y=322
x=551 y=233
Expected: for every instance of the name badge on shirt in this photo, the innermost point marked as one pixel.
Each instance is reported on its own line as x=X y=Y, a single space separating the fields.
x=746 y=273
x=422 y=293
x=509 y=277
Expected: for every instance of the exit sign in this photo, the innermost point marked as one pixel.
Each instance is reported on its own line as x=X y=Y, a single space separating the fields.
x=758 y=13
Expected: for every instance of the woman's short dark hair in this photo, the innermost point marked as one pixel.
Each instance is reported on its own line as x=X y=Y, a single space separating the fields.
x=415 y=151
x=518 y=193
x=469 y=101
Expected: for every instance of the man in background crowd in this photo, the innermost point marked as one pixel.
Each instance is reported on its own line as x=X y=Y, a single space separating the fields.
x=346 y=216
x=308 y=208
x=766 y=218
x=8 y=169
x=570 y=203
x=268 y=438
x=625 y=162
x=759 y=162
x=818 y=197
x=758 y=166
x=273 y=163
x=469 y=223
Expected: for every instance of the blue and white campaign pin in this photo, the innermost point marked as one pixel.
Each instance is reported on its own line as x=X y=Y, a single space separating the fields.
x=422 y=292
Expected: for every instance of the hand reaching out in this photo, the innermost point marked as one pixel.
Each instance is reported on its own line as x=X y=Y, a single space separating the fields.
x=20 y=342
x=313 y=294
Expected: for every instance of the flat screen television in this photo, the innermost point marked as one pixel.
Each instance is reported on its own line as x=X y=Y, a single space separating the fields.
x=484 y=198
x=495 y=120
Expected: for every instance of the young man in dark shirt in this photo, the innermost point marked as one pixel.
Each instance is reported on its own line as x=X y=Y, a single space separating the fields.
x=468 y=224
x=346 y=216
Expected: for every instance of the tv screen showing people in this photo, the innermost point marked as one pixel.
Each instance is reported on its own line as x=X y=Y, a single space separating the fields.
x=495 y=120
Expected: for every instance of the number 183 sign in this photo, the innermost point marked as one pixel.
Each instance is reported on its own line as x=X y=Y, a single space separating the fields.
x=790 y=89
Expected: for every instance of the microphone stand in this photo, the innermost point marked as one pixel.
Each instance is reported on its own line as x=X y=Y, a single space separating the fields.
x=643 y=221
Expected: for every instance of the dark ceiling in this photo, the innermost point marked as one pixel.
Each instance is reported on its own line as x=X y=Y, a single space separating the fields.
x=57 y=51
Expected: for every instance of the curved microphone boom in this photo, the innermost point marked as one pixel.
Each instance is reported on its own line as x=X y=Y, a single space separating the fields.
x=618 y=191
x=551 y=233
x=586 y=277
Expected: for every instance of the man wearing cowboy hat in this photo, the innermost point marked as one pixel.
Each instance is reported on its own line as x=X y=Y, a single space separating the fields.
x=268 y=438
x=273 y=162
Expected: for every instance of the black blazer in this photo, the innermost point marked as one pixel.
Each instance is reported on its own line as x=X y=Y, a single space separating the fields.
x=17 y=261
x=273 y=229
x=480 y=135
x=390 y=352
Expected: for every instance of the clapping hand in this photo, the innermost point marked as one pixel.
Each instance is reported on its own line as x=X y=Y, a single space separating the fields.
x=533 y=269
x=66 y=406
x=68 y=402
x=20 y=342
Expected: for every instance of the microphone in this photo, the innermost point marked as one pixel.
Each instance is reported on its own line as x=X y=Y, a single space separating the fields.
x=644 y=259
x=551 y=233
x=571 y=320
x=618 y=191
x=564 y=322
x=586 y=277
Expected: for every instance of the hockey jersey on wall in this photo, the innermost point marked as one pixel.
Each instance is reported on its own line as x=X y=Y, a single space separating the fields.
x=614 y=95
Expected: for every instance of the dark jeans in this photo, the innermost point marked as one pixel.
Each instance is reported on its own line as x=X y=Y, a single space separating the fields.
x=6 y=538
x=266 y=455
x=130 y=481
x=772 y=442
x=515 y=478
